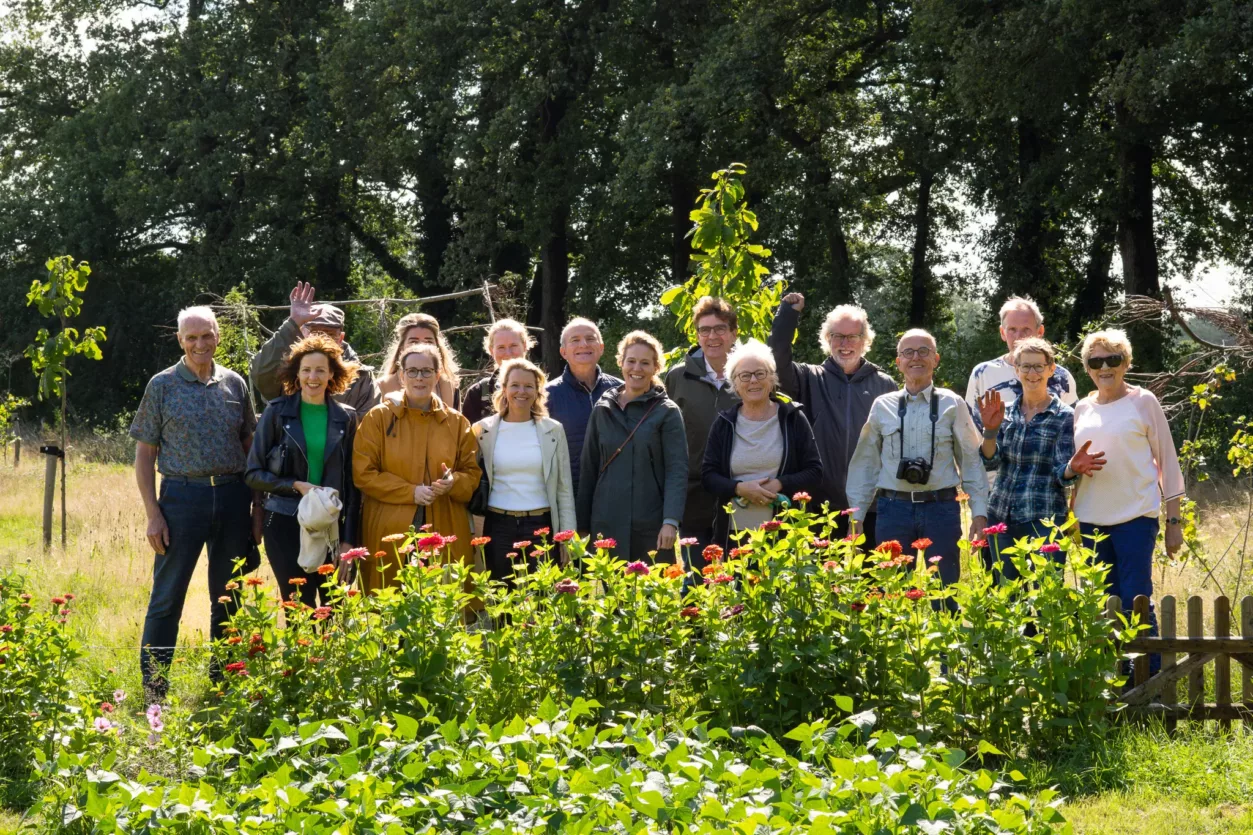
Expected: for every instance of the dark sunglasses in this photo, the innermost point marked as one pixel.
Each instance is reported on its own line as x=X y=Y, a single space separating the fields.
x=1112 y=361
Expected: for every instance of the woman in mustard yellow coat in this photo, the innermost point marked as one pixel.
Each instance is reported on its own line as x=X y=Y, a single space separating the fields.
x=413 y=451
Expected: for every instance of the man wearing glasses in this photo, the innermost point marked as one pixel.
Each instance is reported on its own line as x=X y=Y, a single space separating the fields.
x=919 y=447
x=1020 y=319
x=836 y=396
x=699 y=384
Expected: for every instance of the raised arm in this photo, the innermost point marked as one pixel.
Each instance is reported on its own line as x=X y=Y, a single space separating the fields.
x=782 y=334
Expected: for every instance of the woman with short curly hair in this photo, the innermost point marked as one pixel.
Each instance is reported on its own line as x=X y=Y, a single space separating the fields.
x=633 y=473
x=305 y=440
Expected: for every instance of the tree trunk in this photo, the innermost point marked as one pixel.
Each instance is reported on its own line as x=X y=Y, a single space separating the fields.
x=1137 y=245
x=683 y=191
x=920 y=274
x=1094 y=290
x=555 y=278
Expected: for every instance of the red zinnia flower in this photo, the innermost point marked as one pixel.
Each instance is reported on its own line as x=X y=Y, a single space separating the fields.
x=480 y=541
x=542 y=532
x=978 y=543
x=256 y=649
x=524 y=544
x=235 y=640
x=563 y=536
x=237 y=667
x=719 y=579
x=636 y=567
x=327 y=568
x=690 y=612
x=106 y=707
x=915 y=594
x=736 y=553
x=606 y=543
x=858 y=606
x=1050 y=548
x=1000 y=527
x=771 y=525
x=431 y=543
x=322 y=613
x=712 y=553
x=802 y=497
x=254 y=581
x=298 y=581
x=60 y=601
x=921 y=544
x=890 y=547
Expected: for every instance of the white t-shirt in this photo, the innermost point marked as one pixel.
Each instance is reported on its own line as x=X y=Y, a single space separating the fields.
x=517 y=468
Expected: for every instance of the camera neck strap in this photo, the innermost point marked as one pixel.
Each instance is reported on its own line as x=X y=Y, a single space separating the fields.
x=935 y=416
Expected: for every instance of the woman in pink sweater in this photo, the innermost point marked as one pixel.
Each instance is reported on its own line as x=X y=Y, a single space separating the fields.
x=1123 y=498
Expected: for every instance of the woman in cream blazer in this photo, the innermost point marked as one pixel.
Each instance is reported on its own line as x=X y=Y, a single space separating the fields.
x=527 y=463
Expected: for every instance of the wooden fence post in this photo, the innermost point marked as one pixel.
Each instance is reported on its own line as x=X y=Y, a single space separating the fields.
x=1196 y=629
x=1222 y=664
x=17 y=452
x=1246 y=677
x=1140 y=615
x=1166 y=616
x=50 y=492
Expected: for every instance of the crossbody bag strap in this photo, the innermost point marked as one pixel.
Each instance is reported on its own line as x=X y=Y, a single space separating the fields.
x=640 y=423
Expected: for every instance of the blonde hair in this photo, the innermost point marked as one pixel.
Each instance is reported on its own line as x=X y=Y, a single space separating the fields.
x=1034 y=345
x=528 y=342
x=846 y=311
x=1111 y=339
x=753 y=349
x=448 y=367
x=540 y=407
x=642 y=338
x=421 y=348
x=1021 y=303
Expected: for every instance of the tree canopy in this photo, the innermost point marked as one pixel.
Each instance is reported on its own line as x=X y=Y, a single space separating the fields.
x=186 y=147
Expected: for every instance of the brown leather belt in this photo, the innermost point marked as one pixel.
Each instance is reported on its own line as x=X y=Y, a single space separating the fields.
x=518 y=514
x=946 y=494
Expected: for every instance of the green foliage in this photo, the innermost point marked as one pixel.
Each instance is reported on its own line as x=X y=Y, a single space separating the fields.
x=9 y=407
x=789 y=628
x=60 y=297
x=36 y=658
x=239 y=331
x=556 y=771
x=728 y=264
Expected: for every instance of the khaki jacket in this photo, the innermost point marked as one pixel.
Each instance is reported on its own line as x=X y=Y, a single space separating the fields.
x=398 y=448
x=555 y=454
x=362 y=395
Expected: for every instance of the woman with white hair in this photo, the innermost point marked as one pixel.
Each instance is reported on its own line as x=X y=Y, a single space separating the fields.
x=1123 y=498
x=760 y=448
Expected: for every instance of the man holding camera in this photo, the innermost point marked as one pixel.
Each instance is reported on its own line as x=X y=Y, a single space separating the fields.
x=919 y=449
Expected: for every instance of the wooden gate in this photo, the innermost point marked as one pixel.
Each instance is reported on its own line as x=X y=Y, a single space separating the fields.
x=1185 y=657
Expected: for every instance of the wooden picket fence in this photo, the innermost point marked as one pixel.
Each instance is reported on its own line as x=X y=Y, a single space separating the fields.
x=1185 y=657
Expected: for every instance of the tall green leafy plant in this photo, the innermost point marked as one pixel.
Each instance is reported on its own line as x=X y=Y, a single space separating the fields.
x=728 y=264
x=61 y=297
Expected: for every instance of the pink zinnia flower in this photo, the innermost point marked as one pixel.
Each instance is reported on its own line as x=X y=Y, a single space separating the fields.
x=688 y=541
x=155 y=724
x=1050 y=548
x=771 y=525
x=935 y=559
x=636 y=567
x=153 y=711
x=6 y=629
x=732 y=611
x=431 y=543
x=849 y=511
x=819 y=544
x=802 y=497
x=1000 y=527
x=563 y=536
x=103 y=725
x=606 y=543
x=830 y=565
x=566 y=586
x=542 y=532
x=523 y=545
x=719 y=579
x=322 y=613
x=354 y=554
x=106 y=707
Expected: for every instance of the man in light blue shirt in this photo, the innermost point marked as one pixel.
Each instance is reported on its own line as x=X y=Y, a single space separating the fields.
x=918 y=449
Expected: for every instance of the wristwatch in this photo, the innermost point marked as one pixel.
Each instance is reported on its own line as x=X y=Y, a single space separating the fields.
x=1174 y=520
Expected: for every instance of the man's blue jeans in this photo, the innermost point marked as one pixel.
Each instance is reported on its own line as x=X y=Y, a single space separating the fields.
x=198 y=516
x=940 y=522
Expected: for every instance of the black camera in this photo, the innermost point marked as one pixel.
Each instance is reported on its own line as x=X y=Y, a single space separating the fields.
x=914 y=470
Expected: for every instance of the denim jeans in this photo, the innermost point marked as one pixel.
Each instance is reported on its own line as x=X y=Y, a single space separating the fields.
x=198 y=516
x=940 y=522
x=506 y=530
x=1128 y=551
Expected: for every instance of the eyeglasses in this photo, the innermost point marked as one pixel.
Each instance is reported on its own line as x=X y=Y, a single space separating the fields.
x=1033 y=368
x=845 y=338
x=713 y=330
x=419 y=373
x=750 y=376
x=910 y=353
x=1112 y=361
x=582 y=340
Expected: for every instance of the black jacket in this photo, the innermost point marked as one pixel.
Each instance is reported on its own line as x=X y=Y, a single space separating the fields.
x=801 y=469
x=836 y=404
x=279 y=458
x=477 y=402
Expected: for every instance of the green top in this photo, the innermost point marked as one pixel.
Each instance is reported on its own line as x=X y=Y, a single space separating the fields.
x=313 y=421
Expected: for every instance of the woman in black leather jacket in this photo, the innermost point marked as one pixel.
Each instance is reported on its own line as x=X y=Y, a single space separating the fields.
x=305 y=423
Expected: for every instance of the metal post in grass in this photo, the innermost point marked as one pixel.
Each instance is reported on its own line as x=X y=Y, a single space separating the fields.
x=59 y=297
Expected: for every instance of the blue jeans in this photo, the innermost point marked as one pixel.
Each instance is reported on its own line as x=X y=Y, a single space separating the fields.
x=198 y=516
x=940 y=522
x=1128 y=551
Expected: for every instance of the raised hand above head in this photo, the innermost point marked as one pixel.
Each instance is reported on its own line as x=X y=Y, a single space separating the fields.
x=1086 y=463
x=796 y=300
x=991 y=410
x=301 y=299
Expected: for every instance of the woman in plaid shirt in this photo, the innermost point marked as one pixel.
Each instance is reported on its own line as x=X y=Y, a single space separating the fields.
x=1032 y=447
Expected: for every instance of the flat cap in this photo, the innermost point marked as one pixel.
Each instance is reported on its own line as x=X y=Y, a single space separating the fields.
x=327 y=316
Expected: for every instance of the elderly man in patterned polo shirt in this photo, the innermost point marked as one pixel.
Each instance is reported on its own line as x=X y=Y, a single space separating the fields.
x=195 y=423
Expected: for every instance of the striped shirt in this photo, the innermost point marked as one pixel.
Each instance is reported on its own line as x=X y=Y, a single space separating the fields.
x=1030 y=461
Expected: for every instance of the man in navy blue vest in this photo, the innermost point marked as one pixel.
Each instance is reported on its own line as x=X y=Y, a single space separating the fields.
x=572 y=395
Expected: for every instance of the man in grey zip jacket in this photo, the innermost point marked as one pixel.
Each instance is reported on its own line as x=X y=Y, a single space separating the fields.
x=701 y=389
x=305 y=318
x=836 y=396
